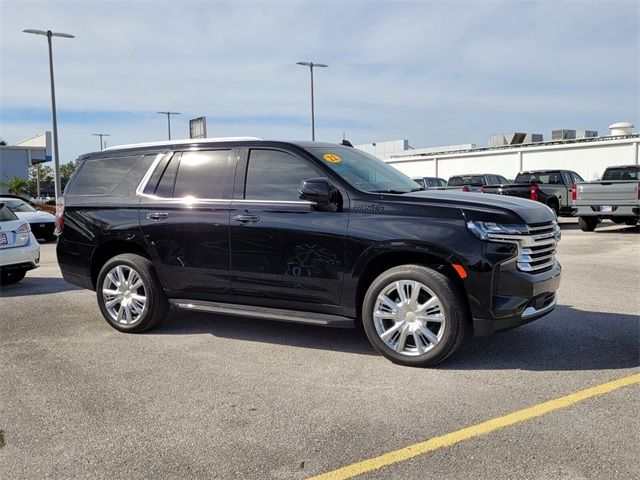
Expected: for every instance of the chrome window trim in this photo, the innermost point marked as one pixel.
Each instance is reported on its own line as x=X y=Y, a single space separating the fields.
x=143 y=183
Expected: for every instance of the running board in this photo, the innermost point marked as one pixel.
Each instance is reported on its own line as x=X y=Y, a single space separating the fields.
x=310 y=318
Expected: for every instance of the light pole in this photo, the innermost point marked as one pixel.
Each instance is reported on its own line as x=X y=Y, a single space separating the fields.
x=56 y=156
x=311 y=65
x=101 y=135
x=168 y=114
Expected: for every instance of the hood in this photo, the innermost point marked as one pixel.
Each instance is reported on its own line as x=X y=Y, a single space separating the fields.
x=35 y=217
x=478 y=206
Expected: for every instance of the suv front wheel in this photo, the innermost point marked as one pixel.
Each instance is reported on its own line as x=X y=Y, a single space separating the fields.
x=414 y=315
x=129 y=294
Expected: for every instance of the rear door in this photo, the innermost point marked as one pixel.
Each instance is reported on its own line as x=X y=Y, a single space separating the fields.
x=284 y=251
x=184 y=215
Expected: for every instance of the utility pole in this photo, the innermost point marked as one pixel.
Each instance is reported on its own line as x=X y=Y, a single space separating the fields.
x=56 y=156
x=168 y=114
x=101 y=135
x=313 y=121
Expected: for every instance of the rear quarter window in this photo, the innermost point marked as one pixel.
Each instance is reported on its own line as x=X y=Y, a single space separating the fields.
x=106 y=176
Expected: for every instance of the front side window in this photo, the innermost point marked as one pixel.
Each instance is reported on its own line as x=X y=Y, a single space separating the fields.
x=204 y=174
x=275 y=175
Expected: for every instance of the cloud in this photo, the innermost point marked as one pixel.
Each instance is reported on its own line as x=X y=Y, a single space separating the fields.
x=433 y=72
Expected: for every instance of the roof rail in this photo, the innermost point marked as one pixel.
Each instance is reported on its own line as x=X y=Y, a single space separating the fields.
x=181 y=142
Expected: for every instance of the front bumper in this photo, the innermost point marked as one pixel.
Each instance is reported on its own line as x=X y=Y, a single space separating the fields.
x=517 y=298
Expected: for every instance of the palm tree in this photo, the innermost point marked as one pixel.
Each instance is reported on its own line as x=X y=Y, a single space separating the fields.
x=15 y=185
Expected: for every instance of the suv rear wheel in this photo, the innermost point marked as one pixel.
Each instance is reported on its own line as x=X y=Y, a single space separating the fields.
x=129 y=294
x=414 y=315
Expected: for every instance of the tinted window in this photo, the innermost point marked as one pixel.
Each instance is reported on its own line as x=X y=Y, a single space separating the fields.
x=625 y=173
x=273 y=175
x=204 y=174
x=502 y=180
x=441 y=182
x=100 y=176
x=576 y=177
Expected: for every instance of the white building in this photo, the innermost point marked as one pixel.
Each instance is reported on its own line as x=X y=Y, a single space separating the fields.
x=587 y=156
x=15 y=160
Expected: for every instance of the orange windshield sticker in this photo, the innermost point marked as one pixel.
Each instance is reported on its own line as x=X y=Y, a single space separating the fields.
x=332 y=157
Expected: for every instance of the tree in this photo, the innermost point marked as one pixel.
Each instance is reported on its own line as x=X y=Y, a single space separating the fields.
x=46 y=178
x=3 y=143
x=66 y=171
x=15 y=185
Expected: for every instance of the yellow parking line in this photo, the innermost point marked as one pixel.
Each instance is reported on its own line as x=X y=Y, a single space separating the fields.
x=467 y=433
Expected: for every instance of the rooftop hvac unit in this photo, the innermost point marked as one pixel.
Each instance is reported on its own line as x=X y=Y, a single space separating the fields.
x=515 y=138
x=586 y=133
x=563 y=134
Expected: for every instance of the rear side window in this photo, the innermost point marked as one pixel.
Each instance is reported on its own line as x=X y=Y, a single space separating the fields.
x=627 y=173
x=101 y=176
x=274 y=175
x=204 y=174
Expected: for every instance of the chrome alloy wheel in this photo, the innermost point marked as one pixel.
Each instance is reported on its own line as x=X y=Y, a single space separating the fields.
x=409 y=317
x=124 y=295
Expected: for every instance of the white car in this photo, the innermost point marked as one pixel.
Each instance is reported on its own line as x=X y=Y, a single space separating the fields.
x=19 y=249
x=42 y=223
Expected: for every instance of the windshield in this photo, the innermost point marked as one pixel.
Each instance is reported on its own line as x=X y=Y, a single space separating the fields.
x=18 y=206
x=363 y=171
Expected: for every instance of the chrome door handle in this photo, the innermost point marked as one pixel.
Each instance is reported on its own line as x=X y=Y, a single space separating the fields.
x=157 y=215
x=246 y=218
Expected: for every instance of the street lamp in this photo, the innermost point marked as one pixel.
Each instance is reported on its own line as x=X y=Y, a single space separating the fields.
x=56 y=156
x=168 y=114
x=101 y=135
x=313 y=121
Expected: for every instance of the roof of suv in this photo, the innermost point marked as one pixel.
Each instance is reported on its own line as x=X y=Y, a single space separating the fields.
x=209 y=141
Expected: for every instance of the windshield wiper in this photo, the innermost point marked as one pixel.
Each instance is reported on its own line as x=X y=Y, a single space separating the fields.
x=390 y=190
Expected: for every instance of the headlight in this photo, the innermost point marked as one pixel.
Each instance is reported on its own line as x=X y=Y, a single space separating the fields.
x=489 y=230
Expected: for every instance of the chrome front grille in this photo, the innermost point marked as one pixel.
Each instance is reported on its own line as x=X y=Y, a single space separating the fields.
x=538 y=249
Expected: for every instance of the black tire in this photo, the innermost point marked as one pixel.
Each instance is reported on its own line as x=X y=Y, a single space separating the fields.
x=588 y=224
x=156 y=303
x=553 y=205
x=12 y=276
x=454 y=307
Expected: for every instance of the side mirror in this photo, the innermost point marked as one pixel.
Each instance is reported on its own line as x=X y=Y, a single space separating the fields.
x=317 y=190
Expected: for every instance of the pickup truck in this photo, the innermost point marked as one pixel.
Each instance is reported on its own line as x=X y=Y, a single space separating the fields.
x=474 y=182
x=430 y=182
x=615 y=197
x=554 y=188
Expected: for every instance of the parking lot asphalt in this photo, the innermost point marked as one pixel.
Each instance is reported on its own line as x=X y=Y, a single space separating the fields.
x=207 y=396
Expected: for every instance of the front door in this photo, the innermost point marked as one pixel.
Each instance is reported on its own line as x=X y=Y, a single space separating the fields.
x=284 y=251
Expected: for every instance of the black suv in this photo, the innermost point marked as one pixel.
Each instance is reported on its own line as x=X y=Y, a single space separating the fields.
x=304 y=232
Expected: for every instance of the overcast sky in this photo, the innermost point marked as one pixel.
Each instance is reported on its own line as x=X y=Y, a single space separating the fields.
x=435 y=73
